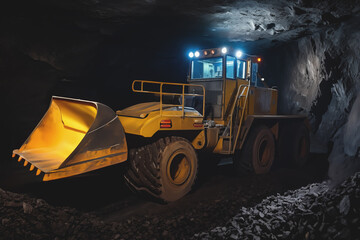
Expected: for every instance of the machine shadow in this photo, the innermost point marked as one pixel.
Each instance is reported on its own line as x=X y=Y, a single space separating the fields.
x=106 y=187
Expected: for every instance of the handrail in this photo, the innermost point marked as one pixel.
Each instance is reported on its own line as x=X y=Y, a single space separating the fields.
x=241 y=118
x=238 y=96
x=161 y=93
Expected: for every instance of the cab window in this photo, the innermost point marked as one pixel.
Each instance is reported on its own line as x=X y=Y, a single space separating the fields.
x=230 y=67
x=241 y=69
x=207 y=68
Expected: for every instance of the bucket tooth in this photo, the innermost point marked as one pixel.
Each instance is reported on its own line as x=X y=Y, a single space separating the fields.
x=19 y=159
x=38 y=172
x=31 y=167
x=13 y=155
x=25 y=163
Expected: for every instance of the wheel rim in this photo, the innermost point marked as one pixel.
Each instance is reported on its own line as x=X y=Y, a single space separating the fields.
x=264 y=153
x=179 y=168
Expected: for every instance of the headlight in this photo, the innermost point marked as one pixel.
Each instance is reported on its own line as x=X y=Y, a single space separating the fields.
x=239 y=54
x=197 y=54
x=191 y=54
x=224 y=50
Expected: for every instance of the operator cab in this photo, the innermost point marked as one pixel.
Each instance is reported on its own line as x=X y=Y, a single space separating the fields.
x=221 y=71
x=217 y=64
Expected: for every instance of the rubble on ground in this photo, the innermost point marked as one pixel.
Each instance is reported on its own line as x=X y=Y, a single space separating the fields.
x=22 y=217
x=311 y=212
x=315 y=211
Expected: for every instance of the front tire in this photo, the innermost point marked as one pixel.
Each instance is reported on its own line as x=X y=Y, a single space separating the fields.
x=258 y=152
x=165 y=170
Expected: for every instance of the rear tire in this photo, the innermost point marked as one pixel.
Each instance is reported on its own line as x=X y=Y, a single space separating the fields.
x=165 y=170
x=294 y=145
x=258 y=152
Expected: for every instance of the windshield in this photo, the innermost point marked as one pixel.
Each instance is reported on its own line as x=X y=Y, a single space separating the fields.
x=207 y=68
x=241 y=69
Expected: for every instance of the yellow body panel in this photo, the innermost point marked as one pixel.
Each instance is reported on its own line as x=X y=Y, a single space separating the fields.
x=150 y=124
x=144 y=119
x=262 y=101
x=229 y=90
x=219 y=146
x=199 y=141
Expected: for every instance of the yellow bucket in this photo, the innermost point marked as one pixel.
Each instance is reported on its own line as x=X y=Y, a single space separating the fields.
x=74 y=136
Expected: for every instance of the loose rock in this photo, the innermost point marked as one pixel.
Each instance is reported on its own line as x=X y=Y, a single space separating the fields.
x=312 y=212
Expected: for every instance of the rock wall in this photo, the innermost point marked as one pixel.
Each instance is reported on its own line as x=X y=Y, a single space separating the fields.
x=319 y=76
x=345 y=156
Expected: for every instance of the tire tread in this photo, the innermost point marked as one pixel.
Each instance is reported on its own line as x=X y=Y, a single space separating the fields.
x=143 y=173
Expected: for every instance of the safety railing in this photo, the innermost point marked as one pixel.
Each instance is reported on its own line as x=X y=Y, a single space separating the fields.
x=236 y=118
x=175 y=89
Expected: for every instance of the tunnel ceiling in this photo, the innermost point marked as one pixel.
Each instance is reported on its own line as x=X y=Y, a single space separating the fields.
x=63 y=33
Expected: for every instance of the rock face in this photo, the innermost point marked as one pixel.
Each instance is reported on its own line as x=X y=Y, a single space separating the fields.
x=312 y=212
x=345 y=159
x=318 y=76
x=321 y=78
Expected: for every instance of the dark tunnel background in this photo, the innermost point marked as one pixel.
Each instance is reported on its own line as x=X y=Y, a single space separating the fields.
x=94 y=49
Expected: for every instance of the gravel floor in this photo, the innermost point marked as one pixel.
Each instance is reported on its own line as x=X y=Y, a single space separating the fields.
x=24 y=217
x=311 y=212
x=98 y=212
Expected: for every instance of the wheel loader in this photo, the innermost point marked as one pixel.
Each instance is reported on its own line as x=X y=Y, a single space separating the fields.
x=224 y=109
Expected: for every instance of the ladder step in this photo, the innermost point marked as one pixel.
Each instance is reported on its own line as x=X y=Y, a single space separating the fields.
x=225 y=137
